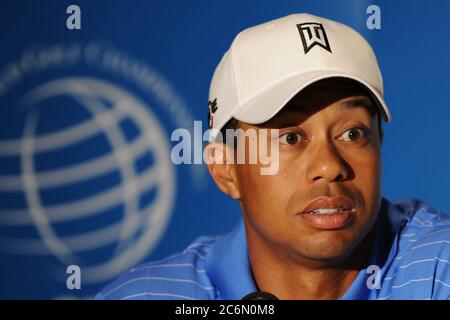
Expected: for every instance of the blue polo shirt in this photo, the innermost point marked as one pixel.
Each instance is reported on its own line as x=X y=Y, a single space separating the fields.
x=411 y=253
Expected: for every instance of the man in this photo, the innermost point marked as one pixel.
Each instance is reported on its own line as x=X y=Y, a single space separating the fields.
x=318 y=227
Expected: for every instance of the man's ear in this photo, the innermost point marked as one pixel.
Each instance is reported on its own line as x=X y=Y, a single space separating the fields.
x=219 y=160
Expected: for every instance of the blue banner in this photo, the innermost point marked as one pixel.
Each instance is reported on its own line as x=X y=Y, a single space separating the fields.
x=90 y=95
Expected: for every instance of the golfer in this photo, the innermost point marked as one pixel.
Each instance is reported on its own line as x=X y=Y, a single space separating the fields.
x=318 y=227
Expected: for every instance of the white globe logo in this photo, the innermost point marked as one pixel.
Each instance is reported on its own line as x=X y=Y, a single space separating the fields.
x=139 y=228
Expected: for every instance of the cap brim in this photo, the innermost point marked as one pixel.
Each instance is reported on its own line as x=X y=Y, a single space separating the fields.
x=270 y=101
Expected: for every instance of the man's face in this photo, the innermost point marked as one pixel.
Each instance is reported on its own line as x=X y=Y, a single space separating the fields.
x=329 y=147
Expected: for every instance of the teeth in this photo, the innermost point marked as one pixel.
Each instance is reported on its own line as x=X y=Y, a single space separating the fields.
x=326 y=211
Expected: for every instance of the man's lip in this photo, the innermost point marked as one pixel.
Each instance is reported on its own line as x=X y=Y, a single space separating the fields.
x=338 y=202
x=335 y=221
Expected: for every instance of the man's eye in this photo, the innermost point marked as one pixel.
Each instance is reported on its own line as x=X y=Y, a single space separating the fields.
x=290 y=138
x=353 y=134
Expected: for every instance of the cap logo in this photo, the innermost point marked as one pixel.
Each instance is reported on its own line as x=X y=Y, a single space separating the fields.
x=212 y=107
x=313 y=34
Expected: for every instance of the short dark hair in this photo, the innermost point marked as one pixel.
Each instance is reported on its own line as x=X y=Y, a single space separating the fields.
x=232 y=124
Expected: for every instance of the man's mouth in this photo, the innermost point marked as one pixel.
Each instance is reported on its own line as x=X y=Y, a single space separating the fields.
x=329 y=213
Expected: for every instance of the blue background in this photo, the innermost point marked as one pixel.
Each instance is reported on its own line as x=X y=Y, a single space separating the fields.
x=184 y=41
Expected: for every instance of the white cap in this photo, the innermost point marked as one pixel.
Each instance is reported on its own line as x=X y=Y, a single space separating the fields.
x=267 y=65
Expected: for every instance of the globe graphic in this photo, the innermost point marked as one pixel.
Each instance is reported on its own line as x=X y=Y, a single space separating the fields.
x=97 y=190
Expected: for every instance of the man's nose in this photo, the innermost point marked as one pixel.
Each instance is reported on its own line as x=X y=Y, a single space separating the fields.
x=325 y=162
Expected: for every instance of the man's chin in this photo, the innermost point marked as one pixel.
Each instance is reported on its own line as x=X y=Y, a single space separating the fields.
x=328 y=252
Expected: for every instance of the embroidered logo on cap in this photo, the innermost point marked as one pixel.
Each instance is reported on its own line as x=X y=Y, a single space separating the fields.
x=212 y=107
x=313 y=34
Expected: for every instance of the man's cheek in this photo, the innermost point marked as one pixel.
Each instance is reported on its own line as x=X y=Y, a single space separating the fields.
x=368 y=174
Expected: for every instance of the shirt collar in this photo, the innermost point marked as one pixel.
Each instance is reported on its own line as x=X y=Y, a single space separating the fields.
x=228 y=266
x=384 y=249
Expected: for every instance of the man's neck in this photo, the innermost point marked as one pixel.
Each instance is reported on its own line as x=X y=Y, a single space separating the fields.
x=290 y=280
